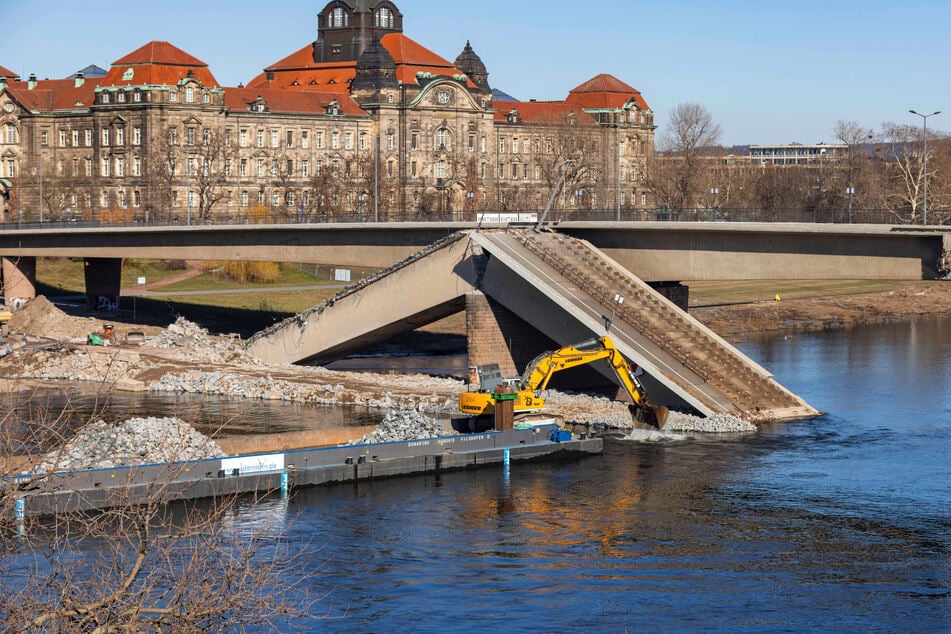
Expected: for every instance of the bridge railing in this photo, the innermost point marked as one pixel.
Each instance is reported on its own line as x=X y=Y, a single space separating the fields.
x=720 y=214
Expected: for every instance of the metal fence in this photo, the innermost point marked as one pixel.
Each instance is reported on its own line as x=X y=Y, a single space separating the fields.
x=837 y=216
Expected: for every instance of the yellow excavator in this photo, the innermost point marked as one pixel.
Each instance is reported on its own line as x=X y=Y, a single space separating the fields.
x=526 y=390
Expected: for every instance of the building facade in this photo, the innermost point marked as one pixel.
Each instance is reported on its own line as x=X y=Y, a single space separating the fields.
x=364 y=122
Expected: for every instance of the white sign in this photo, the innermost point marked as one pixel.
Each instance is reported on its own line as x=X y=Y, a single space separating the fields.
x=342 y=275
x=254 y=464
x=141 y=280
x=507 y=217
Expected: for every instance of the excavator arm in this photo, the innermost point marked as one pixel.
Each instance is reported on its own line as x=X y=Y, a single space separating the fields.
x=540 y=371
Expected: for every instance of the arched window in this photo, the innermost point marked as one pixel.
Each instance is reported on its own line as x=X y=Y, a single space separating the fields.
x=384 y=18
x=338 y=17
x=442 y=139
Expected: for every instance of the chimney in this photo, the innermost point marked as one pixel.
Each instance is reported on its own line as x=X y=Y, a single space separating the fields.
x=80 y=79
x=32 y=84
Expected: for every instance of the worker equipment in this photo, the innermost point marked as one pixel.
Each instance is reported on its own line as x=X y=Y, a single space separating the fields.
x=535 y=378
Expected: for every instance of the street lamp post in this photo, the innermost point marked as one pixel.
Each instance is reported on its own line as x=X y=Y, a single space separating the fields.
x=849 y=191
x=924 y=203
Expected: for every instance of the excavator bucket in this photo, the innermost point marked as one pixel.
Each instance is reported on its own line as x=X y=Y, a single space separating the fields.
x=653 y=415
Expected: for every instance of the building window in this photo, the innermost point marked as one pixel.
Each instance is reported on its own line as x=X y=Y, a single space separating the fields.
x=338 y=18
x=137 y=167
x=205 y=98
x=514 y=170
x=11 y=133
x=88 y=138
x=136 y=96
x=260 y=167
x=244 y=199
x=482 y=144
x=190 y=136
x=414 y=141
x=274 y=138
x=413 y=169
x=501 y=145
x=318 y=167
x=363 y=140
x=290 y=138
x=189 y=94
x=472 y=143
x=173 y=97
x=334 y=140
x=88 y=167
x=304 y=139
x=120 y=97
x=442 y=139
x=75 y=136
x=440 y=169
x=105 y=136
x=319 y=140
x=243 y=168
x=136 y=135
x=348 y=141
x=389 y=141
x=243 y=138
x=514 y=145
x=105 y=97
x=120 y=166
x=228 y=168
x=105 y=166
x=261 y=197
x=260 y=138
x=120 y=136
x=384 y=18
x=121 y=199
x=137 y=198
x=62 y=138
x=205 y=136
x=303 y=168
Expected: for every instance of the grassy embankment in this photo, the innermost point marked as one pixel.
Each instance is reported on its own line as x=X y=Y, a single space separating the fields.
x=266 y=302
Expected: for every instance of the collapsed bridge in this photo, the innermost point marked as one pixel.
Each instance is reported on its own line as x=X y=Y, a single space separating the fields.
x=526 y=291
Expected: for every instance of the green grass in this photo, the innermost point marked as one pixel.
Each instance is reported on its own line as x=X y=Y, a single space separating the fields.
x=728 y=292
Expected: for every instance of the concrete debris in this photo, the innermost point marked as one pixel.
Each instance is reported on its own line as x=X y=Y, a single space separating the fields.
x=102 y=445
x=716 y=424
x=403 y=425
x=201 y=346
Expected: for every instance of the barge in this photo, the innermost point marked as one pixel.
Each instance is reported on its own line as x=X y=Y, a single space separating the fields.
x=71 y=491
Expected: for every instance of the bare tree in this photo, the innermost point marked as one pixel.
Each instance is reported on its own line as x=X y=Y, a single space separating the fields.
x=675 y=178
x=142 y=564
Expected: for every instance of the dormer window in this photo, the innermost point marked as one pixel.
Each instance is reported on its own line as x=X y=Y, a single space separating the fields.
x=513 y=117
x=338 y=18
x=384 y=18
x=333 y=108
x=105 y=97
x=189 y=94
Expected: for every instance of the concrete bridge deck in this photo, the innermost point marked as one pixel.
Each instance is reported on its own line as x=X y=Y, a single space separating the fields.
x=562 y=287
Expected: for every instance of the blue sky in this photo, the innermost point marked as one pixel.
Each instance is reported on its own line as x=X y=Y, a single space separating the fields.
x=768 y=71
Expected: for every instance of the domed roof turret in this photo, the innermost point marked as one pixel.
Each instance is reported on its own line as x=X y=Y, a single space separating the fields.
x=375 y=68
x=471 y=64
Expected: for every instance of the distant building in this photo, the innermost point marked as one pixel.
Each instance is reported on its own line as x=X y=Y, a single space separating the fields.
x=362 y=120
x=796 y=153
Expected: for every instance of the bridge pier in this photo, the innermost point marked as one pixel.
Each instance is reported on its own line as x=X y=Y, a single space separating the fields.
x=19 y=279
x=103 y=280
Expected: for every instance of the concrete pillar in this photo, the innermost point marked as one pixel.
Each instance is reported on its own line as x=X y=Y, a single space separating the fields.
x=103 y=280
x=19 y=279
x=497 y=335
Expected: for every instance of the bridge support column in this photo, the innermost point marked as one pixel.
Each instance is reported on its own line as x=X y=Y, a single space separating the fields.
x=103 y=283
x=19 y=279
x=497 y=335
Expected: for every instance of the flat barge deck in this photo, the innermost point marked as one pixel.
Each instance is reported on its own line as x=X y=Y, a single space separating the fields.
x=70 y=491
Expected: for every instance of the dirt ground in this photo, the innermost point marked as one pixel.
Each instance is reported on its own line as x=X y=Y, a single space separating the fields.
x=738 y=322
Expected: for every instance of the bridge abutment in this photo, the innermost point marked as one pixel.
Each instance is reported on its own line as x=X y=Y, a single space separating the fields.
x=19 y=279
x=103 y=282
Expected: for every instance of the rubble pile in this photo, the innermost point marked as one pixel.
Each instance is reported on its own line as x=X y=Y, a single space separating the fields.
x=39 y=317
x=716 y=424
x=200 y=346
x=404 y=424
x=77 y=364
x=101 y=445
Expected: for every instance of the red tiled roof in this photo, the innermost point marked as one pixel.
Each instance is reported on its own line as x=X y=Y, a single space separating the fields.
x=55 y=94
x=291 y=101
x=550 y=112
x=605 y=92
x=9 y=74
x=158 y=64
x=410 y=58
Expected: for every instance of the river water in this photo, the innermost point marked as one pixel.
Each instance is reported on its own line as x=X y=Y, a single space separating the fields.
x=837 y=523
x=841 y=522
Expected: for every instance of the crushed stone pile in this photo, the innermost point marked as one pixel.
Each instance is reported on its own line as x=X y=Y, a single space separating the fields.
x=716 y=424
x=101 y=445
x=39 y=317
x=303 y=391
x=199 y=344
x=405 y=424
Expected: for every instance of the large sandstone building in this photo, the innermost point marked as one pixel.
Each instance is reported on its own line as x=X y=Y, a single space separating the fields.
x=362 y=123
